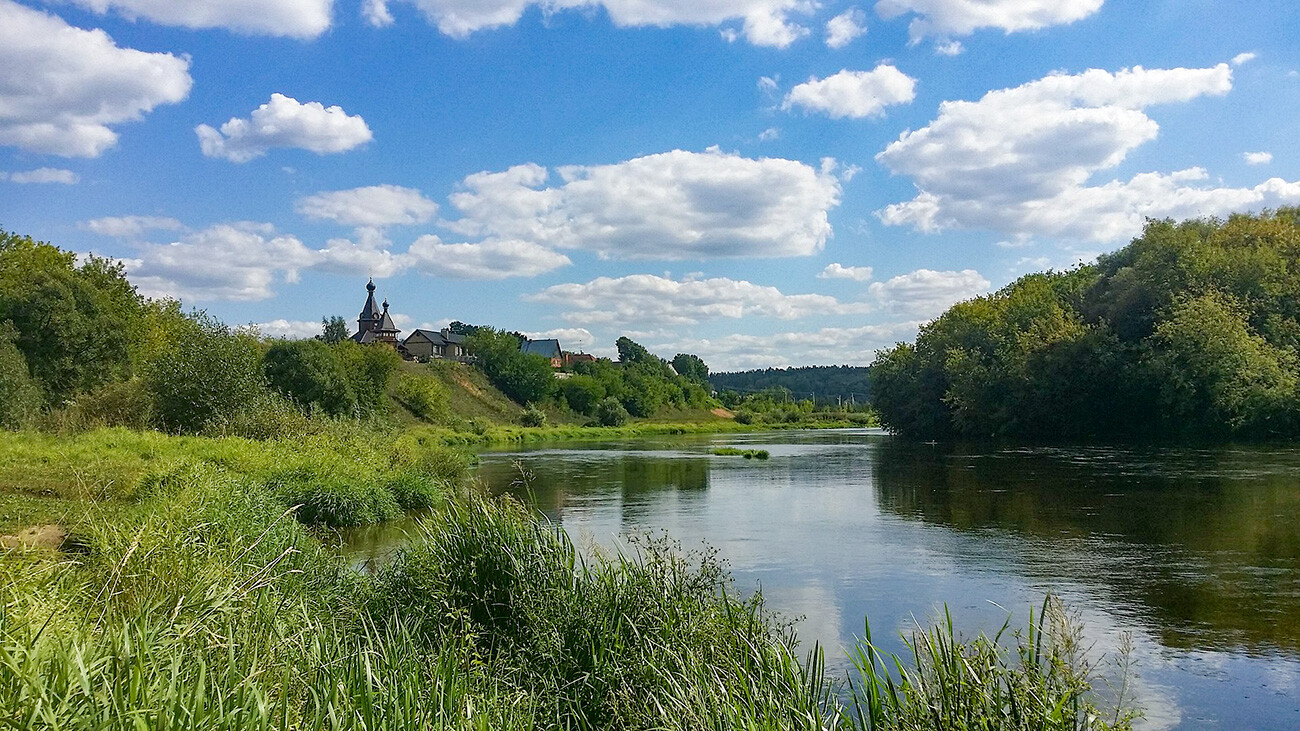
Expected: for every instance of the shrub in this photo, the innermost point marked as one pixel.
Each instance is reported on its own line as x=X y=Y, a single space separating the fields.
x=424 y=396
x=310 y=373
x=268 y=416
x=212 y=372
x=20 y=397
x=582 y=393
x=610 y=412
x=369 y=369
x=533 y=416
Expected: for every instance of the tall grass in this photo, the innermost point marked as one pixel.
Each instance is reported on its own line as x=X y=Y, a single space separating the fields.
x=210 y=605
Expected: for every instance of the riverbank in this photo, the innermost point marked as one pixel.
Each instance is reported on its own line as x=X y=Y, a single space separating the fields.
x=195 y=583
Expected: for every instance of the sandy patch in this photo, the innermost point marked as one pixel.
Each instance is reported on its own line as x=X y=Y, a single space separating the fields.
x=723 y=414
x=42 y=536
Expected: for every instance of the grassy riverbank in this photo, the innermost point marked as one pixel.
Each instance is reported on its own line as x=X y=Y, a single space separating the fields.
x=192 y=586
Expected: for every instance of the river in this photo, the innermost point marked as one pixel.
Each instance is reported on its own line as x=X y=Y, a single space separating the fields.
x=1192 y=554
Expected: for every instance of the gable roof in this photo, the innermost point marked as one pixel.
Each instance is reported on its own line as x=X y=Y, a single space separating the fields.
x=549 y=348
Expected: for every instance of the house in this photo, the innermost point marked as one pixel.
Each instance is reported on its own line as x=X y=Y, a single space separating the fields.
x=570 y=359
x=430 y=344
x=374 y=326
x=549 y=349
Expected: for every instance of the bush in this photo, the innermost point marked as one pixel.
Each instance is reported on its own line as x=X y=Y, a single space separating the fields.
x=423 y=395
x=582 y=393
x=310 y=373
x=415 y=489
x=533 y=416
x=20 y=397
x=369 y=370
x=610 y=412
x=211 y=372
x=268 y=416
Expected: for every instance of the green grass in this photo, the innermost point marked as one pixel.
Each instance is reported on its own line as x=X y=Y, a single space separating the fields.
x=193 y=598
x=746 y=453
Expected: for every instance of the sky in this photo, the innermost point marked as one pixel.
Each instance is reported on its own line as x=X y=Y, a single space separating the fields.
x=759 y=182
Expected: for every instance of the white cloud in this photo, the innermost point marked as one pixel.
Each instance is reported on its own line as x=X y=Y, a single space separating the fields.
x=763 y=22
x=769 y=134
x=284 y=122
x=1257 y=158
x=62 y=87
x=825 y=346
x=376 y=13
x=1018 y=161
x=571 y=338
x=838 y=271
x=293 y=18
x=1242 y=58
x=43 y=175
x=646 y=299
x=130 y=226
x=854 y=94
x=962 y=17
x=767 y=84
x=949 y=48
x=925 y=293
x=370 y=254
x=489 y=259
x=224 y=262
x=844 y=28
x=374 y=205
x=673 y=205
x=290 y=329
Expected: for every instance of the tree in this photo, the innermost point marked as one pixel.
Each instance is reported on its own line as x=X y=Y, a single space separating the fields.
x=524 y=378
x=310 y=373
x=73 y=324
x=691 y=367
x=20 y=397
x=630 y=351
x=334 y=329
x=210 y=373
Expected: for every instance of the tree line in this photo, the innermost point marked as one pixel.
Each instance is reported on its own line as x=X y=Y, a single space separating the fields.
x=1190 y=331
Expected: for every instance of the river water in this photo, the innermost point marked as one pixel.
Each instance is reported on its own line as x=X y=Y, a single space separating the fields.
x=1193 y=554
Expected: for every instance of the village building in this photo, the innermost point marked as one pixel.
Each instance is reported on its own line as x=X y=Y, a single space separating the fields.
x=549 y=349
x=430 y=344
x=374 y=325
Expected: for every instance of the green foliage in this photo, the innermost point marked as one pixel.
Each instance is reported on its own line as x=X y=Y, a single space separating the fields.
x=73 y=324
x=334 y=329
x=533 y=417
x=630 y=351
x=523 y=377
x=1192 y=329
x=20 y=397
x=424 y=395
x=208 y=373
x=369 y=370
x=582 y=393
x=691 y=367
x=1046 y=685
x=841 y=385
x=310 y=373
x=610 y=412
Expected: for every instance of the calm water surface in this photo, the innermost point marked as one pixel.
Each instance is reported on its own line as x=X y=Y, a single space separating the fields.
x=1194 y=553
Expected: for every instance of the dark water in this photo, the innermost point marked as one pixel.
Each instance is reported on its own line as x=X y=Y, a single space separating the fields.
x=1194 y=554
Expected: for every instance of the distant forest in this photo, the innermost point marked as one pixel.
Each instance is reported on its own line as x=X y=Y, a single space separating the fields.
x=824 y=384
x=1190 y=331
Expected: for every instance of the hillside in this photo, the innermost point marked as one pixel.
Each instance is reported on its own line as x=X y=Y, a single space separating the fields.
x=824 y=384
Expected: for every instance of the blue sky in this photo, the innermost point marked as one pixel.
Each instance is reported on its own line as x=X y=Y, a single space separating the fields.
x=760 y=182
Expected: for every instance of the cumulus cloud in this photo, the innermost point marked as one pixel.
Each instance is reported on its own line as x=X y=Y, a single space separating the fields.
x=571 y=338
x=284 y=122
x=962 y=17
x=488 y=259
x=376 y=13
x=130 y=226
x=854 y=94
x=292 y=18
x=1257 y=158
x=369 y=253
x=373 y=205
x=42 y=175
x=949 y=48
x=825 y=346
x=925 y=293
x=844 y=28
x=290 y=329
x=763 y=22
x=672 y=205
x=61 y=88
x=1019 y=160
x=652 y=300
x=1242 y=58
x=838 y=271
x=224 y=262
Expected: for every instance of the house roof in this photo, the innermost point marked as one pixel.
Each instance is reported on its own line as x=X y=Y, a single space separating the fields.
x=387 y=324
x=549 y=348
x=438 y=338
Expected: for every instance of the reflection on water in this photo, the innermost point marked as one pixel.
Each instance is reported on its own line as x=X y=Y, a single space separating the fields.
x=1196 y=553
